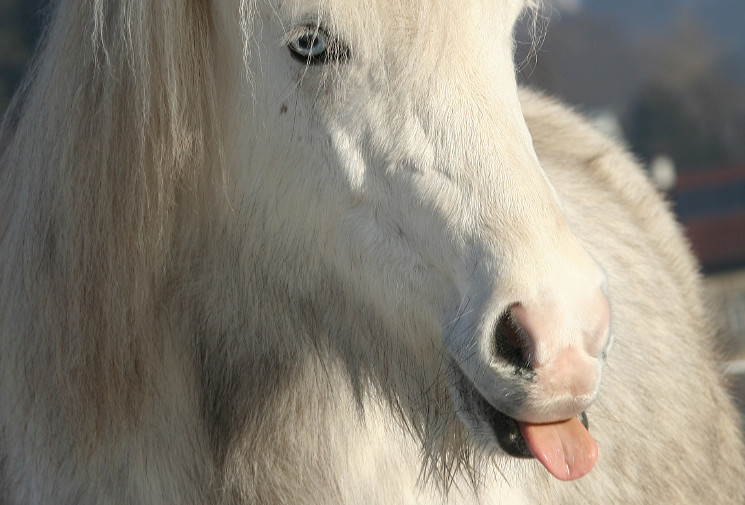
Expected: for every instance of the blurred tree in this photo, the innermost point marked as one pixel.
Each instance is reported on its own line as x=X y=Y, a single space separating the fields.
x=692 y=106
x=676 y=85
x=586 y=60
x=661 y=122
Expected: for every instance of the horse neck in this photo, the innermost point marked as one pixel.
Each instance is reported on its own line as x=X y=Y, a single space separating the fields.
x=287 y=418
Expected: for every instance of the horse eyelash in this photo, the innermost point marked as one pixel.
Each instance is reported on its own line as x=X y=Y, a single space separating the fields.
x=338 y=50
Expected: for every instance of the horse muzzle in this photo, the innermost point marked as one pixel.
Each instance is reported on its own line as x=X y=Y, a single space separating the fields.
x=528 y=384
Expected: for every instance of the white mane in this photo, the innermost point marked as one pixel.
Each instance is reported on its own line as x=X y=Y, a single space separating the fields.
x=113 y=129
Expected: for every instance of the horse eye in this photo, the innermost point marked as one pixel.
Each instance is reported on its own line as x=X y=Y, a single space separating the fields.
x=315 y=46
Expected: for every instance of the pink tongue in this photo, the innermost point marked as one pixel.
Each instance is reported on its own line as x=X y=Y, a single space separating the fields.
x=566 y=449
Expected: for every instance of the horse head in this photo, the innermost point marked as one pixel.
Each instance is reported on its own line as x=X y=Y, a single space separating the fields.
x=382 y=148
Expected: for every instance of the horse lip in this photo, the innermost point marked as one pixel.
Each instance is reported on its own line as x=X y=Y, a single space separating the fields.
x=504 y=427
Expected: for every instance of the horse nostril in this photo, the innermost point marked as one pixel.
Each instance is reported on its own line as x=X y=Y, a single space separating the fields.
x=511 y=343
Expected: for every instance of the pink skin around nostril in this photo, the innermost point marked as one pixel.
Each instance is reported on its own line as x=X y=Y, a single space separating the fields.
x=551 y=329
x=572 y=373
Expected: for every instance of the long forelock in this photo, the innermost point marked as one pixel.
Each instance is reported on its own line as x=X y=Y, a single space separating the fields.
x=535 y=20
x=113 y=129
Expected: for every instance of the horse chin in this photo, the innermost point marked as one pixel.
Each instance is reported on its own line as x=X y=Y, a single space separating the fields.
x=487 y=423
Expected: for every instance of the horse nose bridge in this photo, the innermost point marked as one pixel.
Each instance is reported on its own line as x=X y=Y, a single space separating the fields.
x=534 y=255
x=547 y=295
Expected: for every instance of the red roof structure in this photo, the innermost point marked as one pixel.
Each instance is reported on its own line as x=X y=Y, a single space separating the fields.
x=711 y=206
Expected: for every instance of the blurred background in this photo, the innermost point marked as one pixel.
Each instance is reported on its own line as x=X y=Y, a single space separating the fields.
x=666 y=77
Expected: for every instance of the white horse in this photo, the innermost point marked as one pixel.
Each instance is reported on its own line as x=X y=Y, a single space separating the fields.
x=325 y=251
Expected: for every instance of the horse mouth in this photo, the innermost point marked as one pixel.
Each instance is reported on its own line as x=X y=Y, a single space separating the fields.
x=505 y=429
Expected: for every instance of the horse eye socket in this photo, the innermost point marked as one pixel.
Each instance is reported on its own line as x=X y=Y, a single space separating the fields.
x=314 y=46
